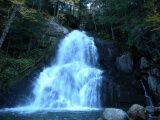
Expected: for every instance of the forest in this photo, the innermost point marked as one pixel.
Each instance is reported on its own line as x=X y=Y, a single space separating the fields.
x=25 y=45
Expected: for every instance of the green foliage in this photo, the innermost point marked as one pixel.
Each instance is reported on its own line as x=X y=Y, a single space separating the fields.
x=129 y=21
x=4 y=7
x=21 y=52
x=10 y=67
x=153 y=16
x=72 y=2
x=43 y=6
x=106 y=20
x=13 y=69
x=62 y=17
x=26 y=30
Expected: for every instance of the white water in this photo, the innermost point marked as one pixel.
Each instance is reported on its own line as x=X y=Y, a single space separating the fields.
x=73 y=81
x=148 y=99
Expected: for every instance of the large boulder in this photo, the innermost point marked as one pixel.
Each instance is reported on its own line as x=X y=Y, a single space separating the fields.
x=124 y=63
x=114 y=114
x=137 y=112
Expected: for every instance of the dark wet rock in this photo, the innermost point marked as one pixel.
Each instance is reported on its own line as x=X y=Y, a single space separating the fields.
x=124 y=63
x=107 y=54
x=143 y=63
x=152 y=81
x=154 y=86
x=150 y=110
x=156 y=72
x=119 y=88
x=153 y=111
x=154 y=118
x=137 y=112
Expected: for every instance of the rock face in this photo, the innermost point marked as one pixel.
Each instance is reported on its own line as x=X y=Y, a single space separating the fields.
x=137 y=112
x=122 y=72
x=154 y=86
x=149 y=67
x=114 y=114
x=152 y=81
x=120 y=88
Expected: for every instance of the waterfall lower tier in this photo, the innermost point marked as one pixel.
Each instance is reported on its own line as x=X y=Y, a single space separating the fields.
x=74 y=79
x=148 y=99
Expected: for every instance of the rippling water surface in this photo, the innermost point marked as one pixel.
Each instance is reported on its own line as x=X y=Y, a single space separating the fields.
x=10 y=114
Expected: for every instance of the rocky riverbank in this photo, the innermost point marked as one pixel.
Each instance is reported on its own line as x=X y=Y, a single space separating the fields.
x=135 y=112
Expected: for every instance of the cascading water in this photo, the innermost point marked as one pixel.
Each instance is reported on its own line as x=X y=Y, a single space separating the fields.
x=148 y=99
x=74 y=79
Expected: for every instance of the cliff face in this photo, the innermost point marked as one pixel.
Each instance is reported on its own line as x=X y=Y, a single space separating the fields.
x=120 y=86
x=123 y=72
x=149 y=63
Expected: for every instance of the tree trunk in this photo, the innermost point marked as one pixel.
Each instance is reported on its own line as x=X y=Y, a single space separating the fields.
x=55 y=8
x=6 y=29
x=112 y=31
x=57 y=17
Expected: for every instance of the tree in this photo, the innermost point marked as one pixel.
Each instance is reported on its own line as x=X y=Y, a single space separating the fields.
x=16 y=6
x=5 y=31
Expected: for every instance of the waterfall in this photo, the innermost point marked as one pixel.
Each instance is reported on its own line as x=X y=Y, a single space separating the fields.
x=74 y=79
x=148 y=99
